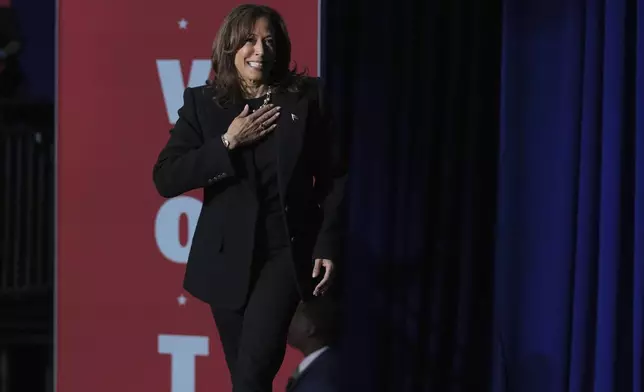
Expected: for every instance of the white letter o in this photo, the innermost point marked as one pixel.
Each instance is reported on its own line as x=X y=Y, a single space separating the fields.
x=166 y=227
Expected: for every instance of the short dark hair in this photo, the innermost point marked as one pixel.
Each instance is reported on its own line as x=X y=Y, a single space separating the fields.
x=232 y=35
x=326 y=315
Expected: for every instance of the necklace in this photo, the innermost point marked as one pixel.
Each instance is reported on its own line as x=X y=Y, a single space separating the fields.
x=267 y=99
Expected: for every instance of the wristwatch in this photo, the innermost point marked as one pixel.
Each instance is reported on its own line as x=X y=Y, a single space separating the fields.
x=226 y=142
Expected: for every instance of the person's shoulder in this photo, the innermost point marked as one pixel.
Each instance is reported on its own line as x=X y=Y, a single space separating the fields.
x=312 y=81
x=323 y=374
x=313 y=84
x=199 y=95
x=312 y=88
x=326 y=363
x=205 y=91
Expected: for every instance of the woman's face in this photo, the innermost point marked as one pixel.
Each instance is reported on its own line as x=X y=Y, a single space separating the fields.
x=255 y=59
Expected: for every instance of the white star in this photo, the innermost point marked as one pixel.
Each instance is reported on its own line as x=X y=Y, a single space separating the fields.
x=183 y=24
x=182 y=300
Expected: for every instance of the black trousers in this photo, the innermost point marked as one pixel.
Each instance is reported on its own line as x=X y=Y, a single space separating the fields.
x=254 y=337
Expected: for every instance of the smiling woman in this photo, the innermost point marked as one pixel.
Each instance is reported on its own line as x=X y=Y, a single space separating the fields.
x=254 y=138
x=255 y=59
x=258 y=37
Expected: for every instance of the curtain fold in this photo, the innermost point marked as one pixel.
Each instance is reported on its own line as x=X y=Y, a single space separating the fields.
x=568 y=293
x=497 y=193
x=411 y=83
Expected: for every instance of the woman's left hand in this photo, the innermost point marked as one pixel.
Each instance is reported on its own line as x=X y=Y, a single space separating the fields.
x=324 y=284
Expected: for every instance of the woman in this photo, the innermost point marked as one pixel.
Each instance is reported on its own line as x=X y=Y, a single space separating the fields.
x=257 y=138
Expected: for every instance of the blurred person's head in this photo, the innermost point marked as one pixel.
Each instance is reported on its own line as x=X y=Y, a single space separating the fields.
x=315 y=324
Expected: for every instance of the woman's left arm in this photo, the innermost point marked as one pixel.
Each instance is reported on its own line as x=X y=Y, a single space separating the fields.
x=331 y=174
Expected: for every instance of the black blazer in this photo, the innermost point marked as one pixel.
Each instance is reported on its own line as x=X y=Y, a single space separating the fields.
x=309 y=148
x=322 y=375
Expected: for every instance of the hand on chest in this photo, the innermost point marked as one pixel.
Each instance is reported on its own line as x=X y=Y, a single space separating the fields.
x=277 y=152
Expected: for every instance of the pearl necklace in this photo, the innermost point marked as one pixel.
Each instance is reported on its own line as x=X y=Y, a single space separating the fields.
x=267 y=100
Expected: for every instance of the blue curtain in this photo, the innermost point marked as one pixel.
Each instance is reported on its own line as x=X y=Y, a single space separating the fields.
x=569 y=265
x=411 y=83
x=37 y=31
x=497 y=193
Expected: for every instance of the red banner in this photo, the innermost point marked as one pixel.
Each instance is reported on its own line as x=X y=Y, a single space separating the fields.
x=123 y=320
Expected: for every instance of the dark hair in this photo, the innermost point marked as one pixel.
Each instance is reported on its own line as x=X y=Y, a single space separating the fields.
x=326 y=315
x=233 y=33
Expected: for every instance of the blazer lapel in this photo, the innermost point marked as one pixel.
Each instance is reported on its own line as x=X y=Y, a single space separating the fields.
x=290 y=130
x=216 y=123
x=290 y=135
x=217 y=120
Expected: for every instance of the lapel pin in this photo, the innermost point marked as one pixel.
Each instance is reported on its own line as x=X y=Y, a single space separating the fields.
x=294 y=117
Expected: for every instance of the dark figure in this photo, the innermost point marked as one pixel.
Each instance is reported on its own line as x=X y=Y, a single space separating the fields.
x=314 y=331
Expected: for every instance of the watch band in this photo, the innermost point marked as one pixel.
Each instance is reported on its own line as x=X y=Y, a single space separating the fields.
x=226 y=142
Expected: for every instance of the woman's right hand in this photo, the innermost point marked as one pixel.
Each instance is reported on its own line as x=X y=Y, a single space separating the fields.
x=247 y=128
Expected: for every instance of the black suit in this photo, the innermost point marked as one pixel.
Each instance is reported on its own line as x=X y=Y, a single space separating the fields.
x=322 y=375
x=223 y=257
